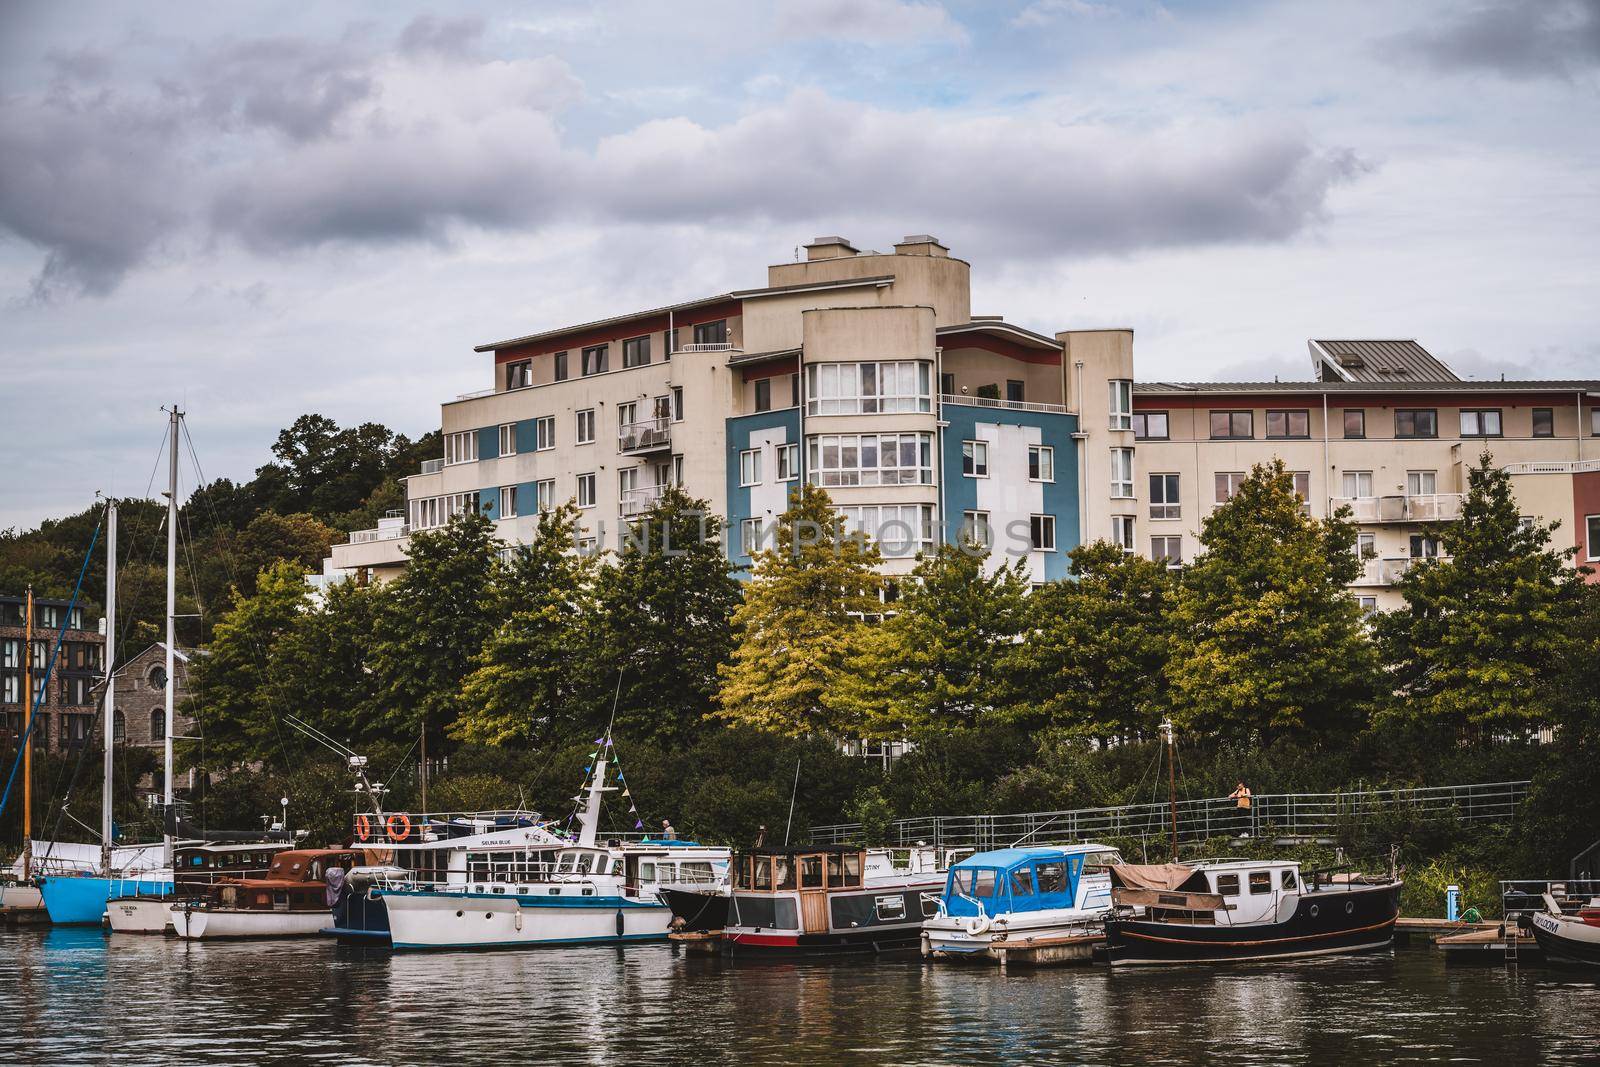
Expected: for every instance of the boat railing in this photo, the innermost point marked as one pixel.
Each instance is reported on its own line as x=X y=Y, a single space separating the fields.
x=408 y=827
x=75 y=869
x=1525 y=896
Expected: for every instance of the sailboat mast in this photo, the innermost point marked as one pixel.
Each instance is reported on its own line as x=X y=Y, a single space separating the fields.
x=109 y=733
x=1172 y=786
x=27 y=736
x=175 y=417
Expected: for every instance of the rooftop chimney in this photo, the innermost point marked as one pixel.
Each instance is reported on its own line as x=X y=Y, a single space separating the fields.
x=829 y=248
x=920 y=244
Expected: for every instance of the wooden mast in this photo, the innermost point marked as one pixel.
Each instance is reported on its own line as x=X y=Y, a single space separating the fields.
x=27 y=736
x=110 y=729
x=1172 y=785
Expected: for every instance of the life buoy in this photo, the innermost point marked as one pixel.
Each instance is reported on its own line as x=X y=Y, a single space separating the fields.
x=978 y=925
x=363 y=827
x=399 y=826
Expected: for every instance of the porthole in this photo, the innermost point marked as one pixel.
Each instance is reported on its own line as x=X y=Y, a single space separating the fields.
x=459 y=914
x=1349 y=907
x=488 y=915
x=1313 y=911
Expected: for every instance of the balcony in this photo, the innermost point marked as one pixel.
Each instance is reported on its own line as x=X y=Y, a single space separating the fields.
x=1560 y=466
x=995 y=402
x=642 y=499
x=389 y=528
x=1388 y=570
x=646 y=435
x=432 y=466
x=716 y=346
x=1401 y=507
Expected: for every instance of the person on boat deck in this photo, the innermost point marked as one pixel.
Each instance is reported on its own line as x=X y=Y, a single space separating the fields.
x=667 y=831
x=1242 y=794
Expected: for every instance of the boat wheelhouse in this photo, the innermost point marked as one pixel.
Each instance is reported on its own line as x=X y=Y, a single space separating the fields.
x=1220 y=911
x=824 y=900
x=291 y=900
x=196 y=866
x=1021 y=894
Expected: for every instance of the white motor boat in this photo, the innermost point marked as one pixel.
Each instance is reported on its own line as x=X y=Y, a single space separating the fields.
x=1020 y=895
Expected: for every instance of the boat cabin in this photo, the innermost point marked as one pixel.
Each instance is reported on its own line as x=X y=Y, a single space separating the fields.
x=296 y=881
x=195 y=866
x=821 y=889
x=1224 y=891
x=1039 y=878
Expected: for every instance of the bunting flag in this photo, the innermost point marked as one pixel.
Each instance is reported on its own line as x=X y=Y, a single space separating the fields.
x=608 y=742
x=637 y=825
x=626 y=793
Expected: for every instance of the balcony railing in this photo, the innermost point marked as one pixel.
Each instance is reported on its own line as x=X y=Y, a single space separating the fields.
x=475 y=394
x=995 y=402
x=1400 y=507
x=711 y=346
x=1560 y=466
x=639 y=500
x=646 y=435
x=382 y=533
x=432 y=466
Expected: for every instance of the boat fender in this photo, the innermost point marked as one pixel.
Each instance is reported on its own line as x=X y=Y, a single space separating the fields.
x=399 y=826
x=619 y=922
x=516 y=920
x=363 y=827
x=978 y=925
x=1349 y=907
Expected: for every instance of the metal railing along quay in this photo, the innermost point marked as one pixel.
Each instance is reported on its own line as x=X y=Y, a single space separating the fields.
x=1276 y=815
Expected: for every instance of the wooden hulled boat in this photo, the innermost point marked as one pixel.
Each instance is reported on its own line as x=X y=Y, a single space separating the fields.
x=294 y=899
x=196 y=866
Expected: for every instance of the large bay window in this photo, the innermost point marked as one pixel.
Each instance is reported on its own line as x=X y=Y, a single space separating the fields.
x=869 y=388
x=897 y=529
x=870 y=459
x=431 y=511
x=461 y=447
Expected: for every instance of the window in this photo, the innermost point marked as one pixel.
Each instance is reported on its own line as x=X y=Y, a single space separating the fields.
x=1042 y=532
x=750 y=467
x=1122 y=532
x=11 y=690
x=1022 y=882
x=975 y=459
x=1416 y=422
x=1357 y=483
x=899 y=529
x=1482 y=422
x=788 y=462
x=594 y=360
x=1288 y=424
x=636 y=352
x=677 y=403
x=586 y=490
x=508 y=501
x=1014 y=391
x=711 y=333
x=751 y=536
x=627 y=482
x=78 y=691
x=1594 y=422
x=519 y=375
x=588 y=546
x=891 y=908
x=1592 y=522
x=508 y=439
x=947 y=384
x=1041 y=463
x=1366 y=545
x=1121 y=403
x=1355 y=422
x=1228 y=885
x=868 y=388
x=560 y=362
x=1052 y=877
x=794 y=389
x=975 y=528
x=1122 y=473
x=1228 y=484
x=457 y=504
x=119 y=727
x=1288 y=881
x=1424 y=547
x=586 y=427
x=1367 y=604
x=460 y=447
x=1167 y=549
x=11 y=653
x=1227 y=425
x=669 y=342
x=677 y=471
x=1544 y=422
x=1260 y=882
x=544 y=433
x=158 y=724
x=764 y=394
x=1150 y=426
x=1421 y=483
x=544 y=493
x=1164 y=496
x=1302 y=484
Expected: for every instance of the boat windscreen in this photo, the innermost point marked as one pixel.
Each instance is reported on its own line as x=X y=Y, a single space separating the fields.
x=980 y=882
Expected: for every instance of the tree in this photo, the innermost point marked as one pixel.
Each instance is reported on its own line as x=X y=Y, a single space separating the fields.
x=434 y=621
x=1094 y=650
x=537 y=673
x=1266 y=639
x=807 y=596
x=1484 y=625
x=665 y=610
x=328 y=653
x=937 y=661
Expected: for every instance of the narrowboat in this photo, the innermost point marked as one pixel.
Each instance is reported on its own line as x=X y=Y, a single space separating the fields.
x=825 y=900
x=1021 y=894
x=1569 y=939
x=1223 y=911
x=196 y=865
x=292 y=900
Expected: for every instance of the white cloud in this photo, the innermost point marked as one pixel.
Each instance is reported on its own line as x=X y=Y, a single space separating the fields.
x=892 y=22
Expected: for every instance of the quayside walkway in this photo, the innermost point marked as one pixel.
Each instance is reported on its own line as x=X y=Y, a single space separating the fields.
x=1278 y=816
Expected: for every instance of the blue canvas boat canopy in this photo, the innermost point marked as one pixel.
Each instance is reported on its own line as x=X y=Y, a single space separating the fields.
x=1009 y=880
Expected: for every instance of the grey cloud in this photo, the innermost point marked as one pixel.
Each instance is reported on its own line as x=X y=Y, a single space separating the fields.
x=297 y=87
x=899 y=22
x=451 y=37
x=1520 y=39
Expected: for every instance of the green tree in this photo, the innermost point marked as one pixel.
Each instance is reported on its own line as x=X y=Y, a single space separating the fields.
x=1484 y=625
x=937 y=661
x=538 y=674
x=434 y=621
x=1094 y=651
x=328 y=654
x=665 y=610
x=796 y=626
x=1266 y=638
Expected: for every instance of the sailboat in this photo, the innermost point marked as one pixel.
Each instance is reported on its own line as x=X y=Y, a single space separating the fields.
x=76 y=896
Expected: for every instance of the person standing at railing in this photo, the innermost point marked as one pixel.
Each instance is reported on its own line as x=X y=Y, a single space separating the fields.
x=1242 y=795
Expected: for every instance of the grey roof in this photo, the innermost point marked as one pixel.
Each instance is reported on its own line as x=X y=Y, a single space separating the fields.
x=739 y=358
x=1567 y=385
x=1377 y=361
x=996 y=325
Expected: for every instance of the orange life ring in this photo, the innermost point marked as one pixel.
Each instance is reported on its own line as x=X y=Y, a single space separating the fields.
x=401 y=831
x=363 y=827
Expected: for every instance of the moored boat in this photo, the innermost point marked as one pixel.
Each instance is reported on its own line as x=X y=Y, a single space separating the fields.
x=1019 y=895
x=1569 y=939
x=292 y=900
x=1220 y=911
x=196 y=865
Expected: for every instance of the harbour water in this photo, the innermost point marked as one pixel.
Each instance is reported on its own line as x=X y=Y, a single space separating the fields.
x=64 y=998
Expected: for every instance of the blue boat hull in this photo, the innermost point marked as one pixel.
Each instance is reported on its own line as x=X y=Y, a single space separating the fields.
x=360 y=918
x=81 y=901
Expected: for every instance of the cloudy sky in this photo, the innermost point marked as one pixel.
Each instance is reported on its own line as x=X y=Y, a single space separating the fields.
x=262 y=210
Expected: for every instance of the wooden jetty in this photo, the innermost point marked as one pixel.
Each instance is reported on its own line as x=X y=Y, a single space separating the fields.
x=1492 y=943
x=697 y=942
x=1062 y=950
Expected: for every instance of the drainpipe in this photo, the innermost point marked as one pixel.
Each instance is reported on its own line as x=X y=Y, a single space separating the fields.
x=1580 y=425
x=939 y=426
x=1082 y=437
x=1327 y=469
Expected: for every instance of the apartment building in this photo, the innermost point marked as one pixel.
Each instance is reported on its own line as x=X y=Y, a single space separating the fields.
x=863 y=371
x=1383 y=427
x=66 y=714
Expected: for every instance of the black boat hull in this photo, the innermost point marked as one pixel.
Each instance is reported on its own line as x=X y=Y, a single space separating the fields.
x=699 y=911
x=1565 y=950
x=1330 y=922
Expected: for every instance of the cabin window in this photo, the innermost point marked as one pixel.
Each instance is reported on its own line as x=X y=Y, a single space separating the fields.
x=1289 y=880
x=1052 y=877
x=930 y=905
x=647 y=872
x=666 y=872
x=976 y=882
x=695 y=872
x=891 y=908
x=1021 y=883
x=852 y=870
x=783 y=873
x=763 y=872
x=1260 y=882
x=1101 y=861
x=1228 y=885
x=810 y=872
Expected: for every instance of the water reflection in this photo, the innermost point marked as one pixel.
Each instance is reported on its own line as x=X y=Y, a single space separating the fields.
x=74 y=996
